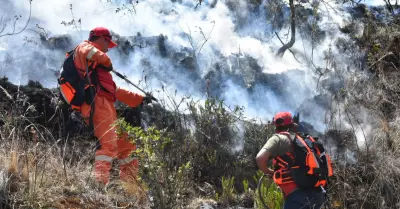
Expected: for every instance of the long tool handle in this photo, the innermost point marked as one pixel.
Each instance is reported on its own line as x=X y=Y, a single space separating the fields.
x=260 y=193
x=130 y=82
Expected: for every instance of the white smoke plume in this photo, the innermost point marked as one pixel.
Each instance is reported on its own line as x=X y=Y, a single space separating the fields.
x=263 y=86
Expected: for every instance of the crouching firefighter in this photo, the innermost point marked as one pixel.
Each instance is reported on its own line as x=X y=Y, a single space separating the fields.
x=300 y=165
x=87 y=85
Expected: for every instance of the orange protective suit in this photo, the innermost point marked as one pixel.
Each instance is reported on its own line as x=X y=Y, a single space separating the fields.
x=105 y=115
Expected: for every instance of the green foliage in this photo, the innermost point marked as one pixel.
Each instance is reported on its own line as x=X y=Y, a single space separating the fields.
x=215 y=129
x=212 y=157
x=170 y=186
x=228 y=190
x=245 y=183
x=149 y=144
x=270 y=193
x=228 y=195
x=172 y=161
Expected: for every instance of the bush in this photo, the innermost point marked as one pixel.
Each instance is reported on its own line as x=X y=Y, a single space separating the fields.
x=271 y=194
x=170 y=186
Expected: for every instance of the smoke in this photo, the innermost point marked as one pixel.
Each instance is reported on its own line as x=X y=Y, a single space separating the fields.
x=239 y=137
x=232 y=46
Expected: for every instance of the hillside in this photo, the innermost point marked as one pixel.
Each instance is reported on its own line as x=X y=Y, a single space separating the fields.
x=217 y=93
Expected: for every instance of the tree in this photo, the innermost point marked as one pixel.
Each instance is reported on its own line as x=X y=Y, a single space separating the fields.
x=286 y=46
x=13 y=24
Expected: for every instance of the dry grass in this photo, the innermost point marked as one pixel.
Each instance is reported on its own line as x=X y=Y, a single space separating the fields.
x=202 y=203
x=368 y=185
x=38 y=175
x=367 y=123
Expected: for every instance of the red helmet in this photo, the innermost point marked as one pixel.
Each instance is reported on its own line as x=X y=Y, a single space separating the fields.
x=101 y=31
x=282 y=119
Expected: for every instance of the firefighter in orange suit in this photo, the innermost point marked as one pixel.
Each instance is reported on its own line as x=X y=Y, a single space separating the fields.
x=91 y=54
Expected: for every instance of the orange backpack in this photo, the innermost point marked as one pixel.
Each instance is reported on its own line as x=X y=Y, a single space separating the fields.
x=307 y=164
x=74 y=87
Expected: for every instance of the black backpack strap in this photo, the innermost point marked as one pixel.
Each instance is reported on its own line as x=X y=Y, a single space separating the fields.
x=285 y=158
x=92 y=94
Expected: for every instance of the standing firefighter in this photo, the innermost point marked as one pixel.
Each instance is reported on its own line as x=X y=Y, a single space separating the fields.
x=300 y=165
x=87 y=85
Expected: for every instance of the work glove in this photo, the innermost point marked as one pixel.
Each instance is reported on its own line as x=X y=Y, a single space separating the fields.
x=149 y=98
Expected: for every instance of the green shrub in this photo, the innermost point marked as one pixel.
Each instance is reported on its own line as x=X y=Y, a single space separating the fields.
x=270 y=193
x=169 y=186
x=228 y=190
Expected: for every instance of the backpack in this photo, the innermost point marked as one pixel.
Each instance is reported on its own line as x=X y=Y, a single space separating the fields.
x=74 y=87
x=312 y=166
x=307 y=165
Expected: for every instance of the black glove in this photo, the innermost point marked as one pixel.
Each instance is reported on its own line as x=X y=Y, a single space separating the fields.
x=149 y=99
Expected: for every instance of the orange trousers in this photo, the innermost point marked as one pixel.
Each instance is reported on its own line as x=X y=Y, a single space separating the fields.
x=110 y=145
